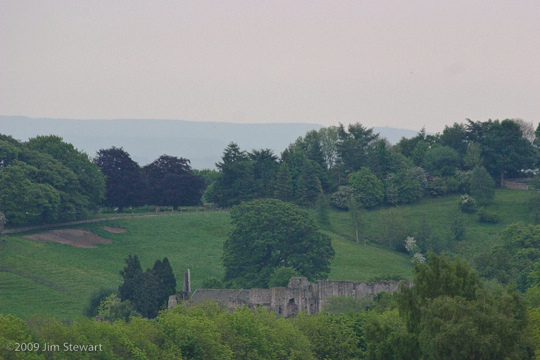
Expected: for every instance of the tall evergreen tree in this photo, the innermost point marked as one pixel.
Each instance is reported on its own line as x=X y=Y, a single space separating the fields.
x=301 y=193
x=133 y=279
x=265 y=167
x=148 y=292
x=284 y=186
x=355 y=146
x=235 y=183
x=166 y=282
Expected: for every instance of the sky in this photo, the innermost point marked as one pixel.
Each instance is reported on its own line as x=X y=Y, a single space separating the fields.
x=404 y=64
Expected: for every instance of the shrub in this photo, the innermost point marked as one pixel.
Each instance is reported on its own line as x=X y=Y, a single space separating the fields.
x=403 y=187
x=482 y=186
x=441 y=161
x=368 y=189
x=386 y=277
x=464 y=181
x=452 y=184
x=437 y=187
x=467 y=204
x=92 y=308
x=487 y=217
x=342 y=197
x=393 y=230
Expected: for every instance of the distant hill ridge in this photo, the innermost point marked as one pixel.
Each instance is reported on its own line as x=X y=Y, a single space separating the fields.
x=147 y=139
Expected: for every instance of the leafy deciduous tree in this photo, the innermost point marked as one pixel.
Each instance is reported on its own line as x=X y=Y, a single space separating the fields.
x=441 y=161
x=172 y=183
x=482 y=186
x=369 y=190
x=269 y=234
x=125 y=185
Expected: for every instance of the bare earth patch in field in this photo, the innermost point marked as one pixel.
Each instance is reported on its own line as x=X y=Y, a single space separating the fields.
x=73 y=237
x=114 y=230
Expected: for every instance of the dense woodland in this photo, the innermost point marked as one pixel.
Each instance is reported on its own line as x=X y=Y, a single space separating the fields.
x=484 y=308
x=355 y=162
x=46 y=179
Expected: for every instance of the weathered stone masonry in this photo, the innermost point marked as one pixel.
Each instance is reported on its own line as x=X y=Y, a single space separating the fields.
x=299 y=295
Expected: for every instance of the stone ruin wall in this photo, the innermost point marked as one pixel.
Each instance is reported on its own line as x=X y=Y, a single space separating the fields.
x=299 y=295
x=515 y=185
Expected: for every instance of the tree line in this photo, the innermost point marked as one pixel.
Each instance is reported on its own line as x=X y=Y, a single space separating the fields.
x=167 y=181
x=45 y=179
x=354 y=162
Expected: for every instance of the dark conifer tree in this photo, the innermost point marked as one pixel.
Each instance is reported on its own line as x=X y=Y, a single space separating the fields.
x=148 y=302
x=162 y=276
x=133 y=279
x=284 y=185
x=167 y=278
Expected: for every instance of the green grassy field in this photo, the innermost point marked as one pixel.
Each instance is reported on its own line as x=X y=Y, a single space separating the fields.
x=510 y=205
x=56 y=279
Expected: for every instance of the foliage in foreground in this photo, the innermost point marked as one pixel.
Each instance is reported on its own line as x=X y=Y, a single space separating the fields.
x=448 y=314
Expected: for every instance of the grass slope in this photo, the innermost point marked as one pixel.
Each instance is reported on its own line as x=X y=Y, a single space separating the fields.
x=356 y=262
x=51 y=278
x=509 y=205
x=55 y=279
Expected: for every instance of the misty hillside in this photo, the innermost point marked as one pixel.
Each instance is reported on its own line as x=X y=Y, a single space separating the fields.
x=145 y=140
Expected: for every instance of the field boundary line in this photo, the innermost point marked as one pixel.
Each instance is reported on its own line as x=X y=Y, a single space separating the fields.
x=88 y=221
x=32 y=277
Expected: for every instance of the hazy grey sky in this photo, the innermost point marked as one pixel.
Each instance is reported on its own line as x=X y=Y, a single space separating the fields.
x=395 y=63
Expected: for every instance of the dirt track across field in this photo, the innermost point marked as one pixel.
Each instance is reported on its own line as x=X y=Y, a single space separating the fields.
x=73 y=237
x=114 y=230
x=30 y=228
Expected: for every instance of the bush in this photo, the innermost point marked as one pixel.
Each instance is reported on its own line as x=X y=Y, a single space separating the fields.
x=368 y=189
x=464 y=181
x=452 y=184
x=393 y=230
x=92 y=308
x=437 y=187
x=386 y=277
x=403 y=187
x=441 y=161
x=482 y=186
x=487 y=217
x=342 y=197
x=467 y=204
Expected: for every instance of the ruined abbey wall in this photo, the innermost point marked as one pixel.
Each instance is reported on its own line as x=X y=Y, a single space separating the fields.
x=299 y=295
